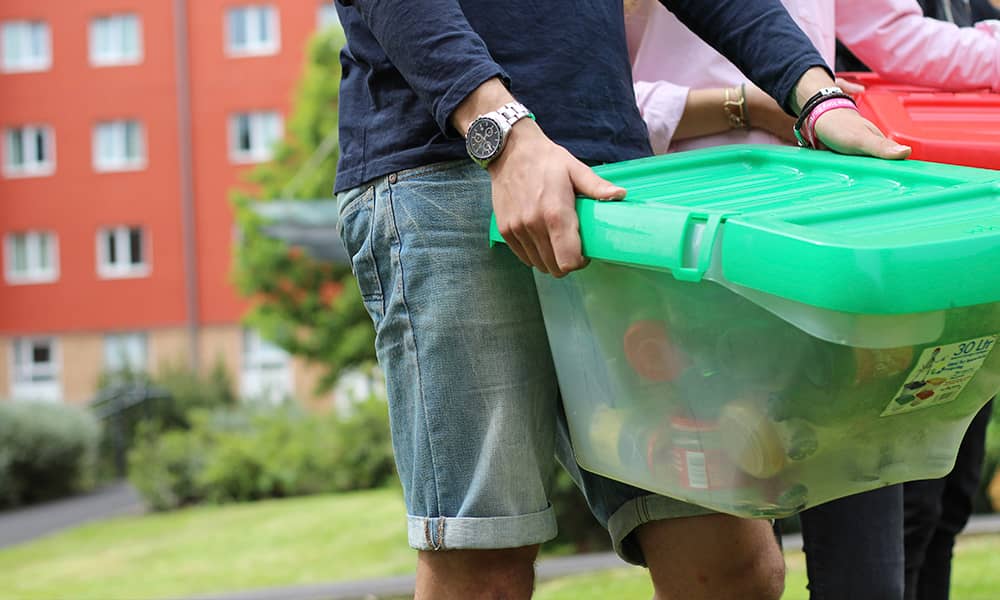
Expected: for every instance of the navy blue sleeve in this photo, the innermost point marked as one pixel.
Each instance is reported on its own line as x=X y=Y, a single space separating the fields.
x=758 y=36
x=431 y=43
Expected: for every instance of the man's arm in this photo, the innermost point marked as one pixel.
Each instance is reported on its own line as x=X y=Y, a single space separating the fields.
x=435 y=49
x=449 y=67
x=535 y=181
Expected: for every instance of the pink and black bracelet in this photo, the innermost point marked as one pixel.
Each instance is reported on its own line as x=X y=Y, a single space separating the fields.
x=821 y=109
x=824 y=101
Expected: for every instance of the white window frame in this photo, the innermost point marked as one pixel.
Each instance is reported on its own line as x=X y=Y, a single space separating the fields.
x=32 y=63
x=253 y=45
x=126 y=351
x=266 y=369
x=35 y=273
x=27 y=381
x=118 y=24
x=123 y=268
x=28 y=134
x=117 y=162
x=260 y=149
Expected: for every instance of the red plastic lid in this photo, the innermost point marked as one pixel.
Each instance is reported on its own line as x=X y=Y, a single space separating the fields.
x=872 y=81
x=649 y=351
x=959 y=128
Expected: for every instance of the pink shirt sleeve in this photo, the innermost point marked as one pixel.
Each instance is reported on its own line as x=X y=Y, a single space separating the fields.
x=661 y=104
x=898 y=42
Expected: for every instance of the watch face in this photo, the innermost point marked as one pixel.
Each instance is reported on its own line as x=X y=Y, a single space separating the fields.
x=484 y=139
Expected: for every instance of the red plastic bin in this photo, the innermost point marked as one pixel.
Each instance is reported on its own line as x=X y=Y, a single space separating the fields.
x=959 y=128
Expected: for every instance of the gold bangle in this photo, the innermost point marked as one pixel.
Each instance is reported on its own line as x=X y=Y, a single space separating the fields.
x=735 y=108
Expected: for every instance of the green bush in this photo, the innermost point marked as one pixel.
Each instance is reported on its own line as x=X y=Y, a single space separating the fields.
x=127 y=402
x=46 y=451
x=253 y=453
x=165 y=468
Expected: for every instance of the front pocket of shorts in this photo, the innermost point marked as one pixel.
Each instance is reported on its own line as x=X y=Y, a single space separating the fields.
x=357 y=230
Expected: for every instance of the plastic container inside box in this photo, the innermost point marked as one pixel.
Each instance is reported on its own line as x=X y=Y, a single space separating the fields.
x=765 y=329
x=959 y=128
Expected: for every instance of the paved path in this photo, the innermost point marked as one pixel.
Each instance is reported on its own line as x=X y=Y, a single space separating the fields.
x=547 y=569
x=23 y=524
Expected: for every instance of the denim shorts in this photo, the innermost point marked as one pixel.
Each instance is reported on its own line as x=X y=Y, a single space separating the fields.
x=476 y=418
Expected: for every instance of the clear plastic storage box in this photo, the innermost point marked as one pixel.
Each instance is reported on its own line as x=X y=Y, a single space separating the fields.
x=765 y=329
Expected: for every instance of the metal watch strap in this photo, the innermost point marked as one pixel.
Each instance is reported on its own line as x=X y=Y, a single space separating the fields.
x=503 y=119
x=512 y=112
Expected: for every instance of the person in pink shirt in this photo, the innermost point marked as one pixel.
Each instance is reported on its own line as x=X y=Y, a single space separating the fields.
x=854 y=546
x=681 y=101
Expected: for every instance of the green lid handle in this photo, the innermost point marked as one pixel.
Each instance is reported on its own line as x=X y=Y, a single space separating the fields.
x=655 y=235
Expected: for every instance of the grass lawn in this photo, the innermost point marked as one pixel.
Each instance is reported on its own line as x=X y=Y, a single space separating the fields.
x=309 y=540
x=215 y=549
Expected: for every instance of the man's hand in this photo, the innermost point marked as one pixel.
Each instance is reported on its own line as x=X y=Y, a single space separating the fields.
x=535 y=183
x=845 y=130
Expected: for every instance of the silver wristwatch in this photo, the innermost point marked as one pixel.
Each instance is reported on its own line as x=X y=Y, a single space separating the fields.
x=488 y=133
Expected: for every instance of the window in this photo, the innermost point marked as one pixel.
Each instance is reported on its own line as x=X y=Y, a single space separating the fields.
x=29 y=151
x=267 y=369
x=31 y=257
x=125 y=352
x=25 y=46
x=327 y=15
x=121 y=252
x=35 y=373
x=252 y=30
x=115 y=40
x=119 y=146
x=252 y=135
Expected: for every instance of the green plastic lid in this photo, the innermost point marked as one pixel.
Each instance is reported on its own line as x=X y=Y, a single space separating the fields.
x=844 y=233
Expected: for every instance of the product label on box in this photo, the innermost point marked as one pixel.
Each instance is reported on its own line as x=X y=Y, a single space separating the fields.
x=940 y=375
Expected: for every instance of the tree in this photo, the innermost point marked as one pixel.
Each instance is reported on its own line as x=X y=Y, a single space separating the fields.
x=310 y=307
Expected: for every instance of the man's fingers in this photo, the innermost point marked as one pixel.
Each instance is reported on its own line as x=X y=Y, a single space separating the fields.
x=531 y=251
x=564 y=233
x=541 y=238
x=514 y=241
x=534 y=198
x=588 y=183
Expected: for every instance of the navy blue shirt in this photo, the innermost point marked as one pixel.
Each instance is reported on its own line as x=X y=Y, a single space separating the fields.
x=409 y=63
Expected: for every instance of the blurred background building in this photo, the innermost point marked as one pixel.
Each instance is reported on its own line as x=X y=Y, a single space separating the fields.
x=124 y=125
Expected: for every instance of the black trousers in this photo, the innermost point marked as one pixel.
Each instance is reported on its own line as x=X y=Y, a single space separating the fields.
x=936 y=510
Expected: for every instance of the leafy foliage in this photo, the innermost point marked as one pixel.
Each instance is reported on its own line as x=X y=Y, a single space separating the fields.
x=309 y=307
x=254 y=453
x=46 y=451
